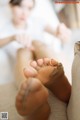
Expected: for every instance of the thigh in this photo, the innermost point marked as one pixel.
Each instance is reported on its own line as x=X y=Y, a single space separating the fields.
x=42 y=50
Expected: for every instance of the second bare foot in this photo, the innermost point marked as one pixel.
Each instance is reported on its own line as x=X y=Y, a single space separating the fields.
x=31 y=100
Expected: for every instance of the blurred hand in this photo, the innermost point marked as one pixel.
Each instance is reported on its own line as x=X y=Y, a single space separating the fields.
x=63 y=33
x=25 y=40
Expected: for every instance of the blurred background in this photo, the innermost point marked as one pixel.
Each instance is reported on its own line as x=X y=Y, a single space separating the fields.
x=53 y=14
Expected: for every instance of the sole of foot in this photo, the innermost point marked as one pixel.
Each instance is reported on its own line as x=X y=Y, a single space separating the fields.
x=32 y=99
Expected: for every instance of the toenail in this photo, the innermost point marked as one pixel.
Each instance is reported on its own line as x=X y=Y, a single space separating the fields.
x=53 y=62
x=59 y=65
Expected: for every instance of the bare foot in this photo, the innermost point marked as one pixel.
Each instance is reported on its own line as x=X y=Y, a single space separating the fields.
x=31 y=100
x=51 y=74
x=45 y=70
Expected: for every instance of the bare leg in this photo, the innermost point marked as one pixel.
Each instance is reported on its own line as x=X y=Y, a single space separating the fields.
x=52 y=75
x=23 y=58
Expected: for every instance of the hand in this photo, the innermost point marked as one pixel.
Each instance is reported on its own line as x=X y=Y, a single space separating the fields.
x=25 y=40
x=63 y=33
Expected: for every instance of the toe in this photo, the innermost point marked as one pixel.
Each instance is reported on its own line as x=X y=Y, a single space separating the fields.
x=34 y=64
x=40 y=62
x=46 y=61
x=53 y=62
x=30 y=72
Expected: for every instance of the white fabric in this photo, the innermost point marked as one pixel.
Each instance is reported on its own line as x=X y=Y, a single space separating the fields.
x=34 y=28
x=3 y=2
x=9 y=30
x=74 y=104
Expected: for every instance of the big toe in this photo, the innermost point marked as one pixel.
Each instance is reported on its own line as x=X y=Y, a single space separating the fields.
x=30 y=72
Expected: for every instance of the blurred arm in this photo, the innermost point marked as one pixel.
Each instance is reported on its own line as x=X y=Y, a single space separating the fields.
x=6 y=41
